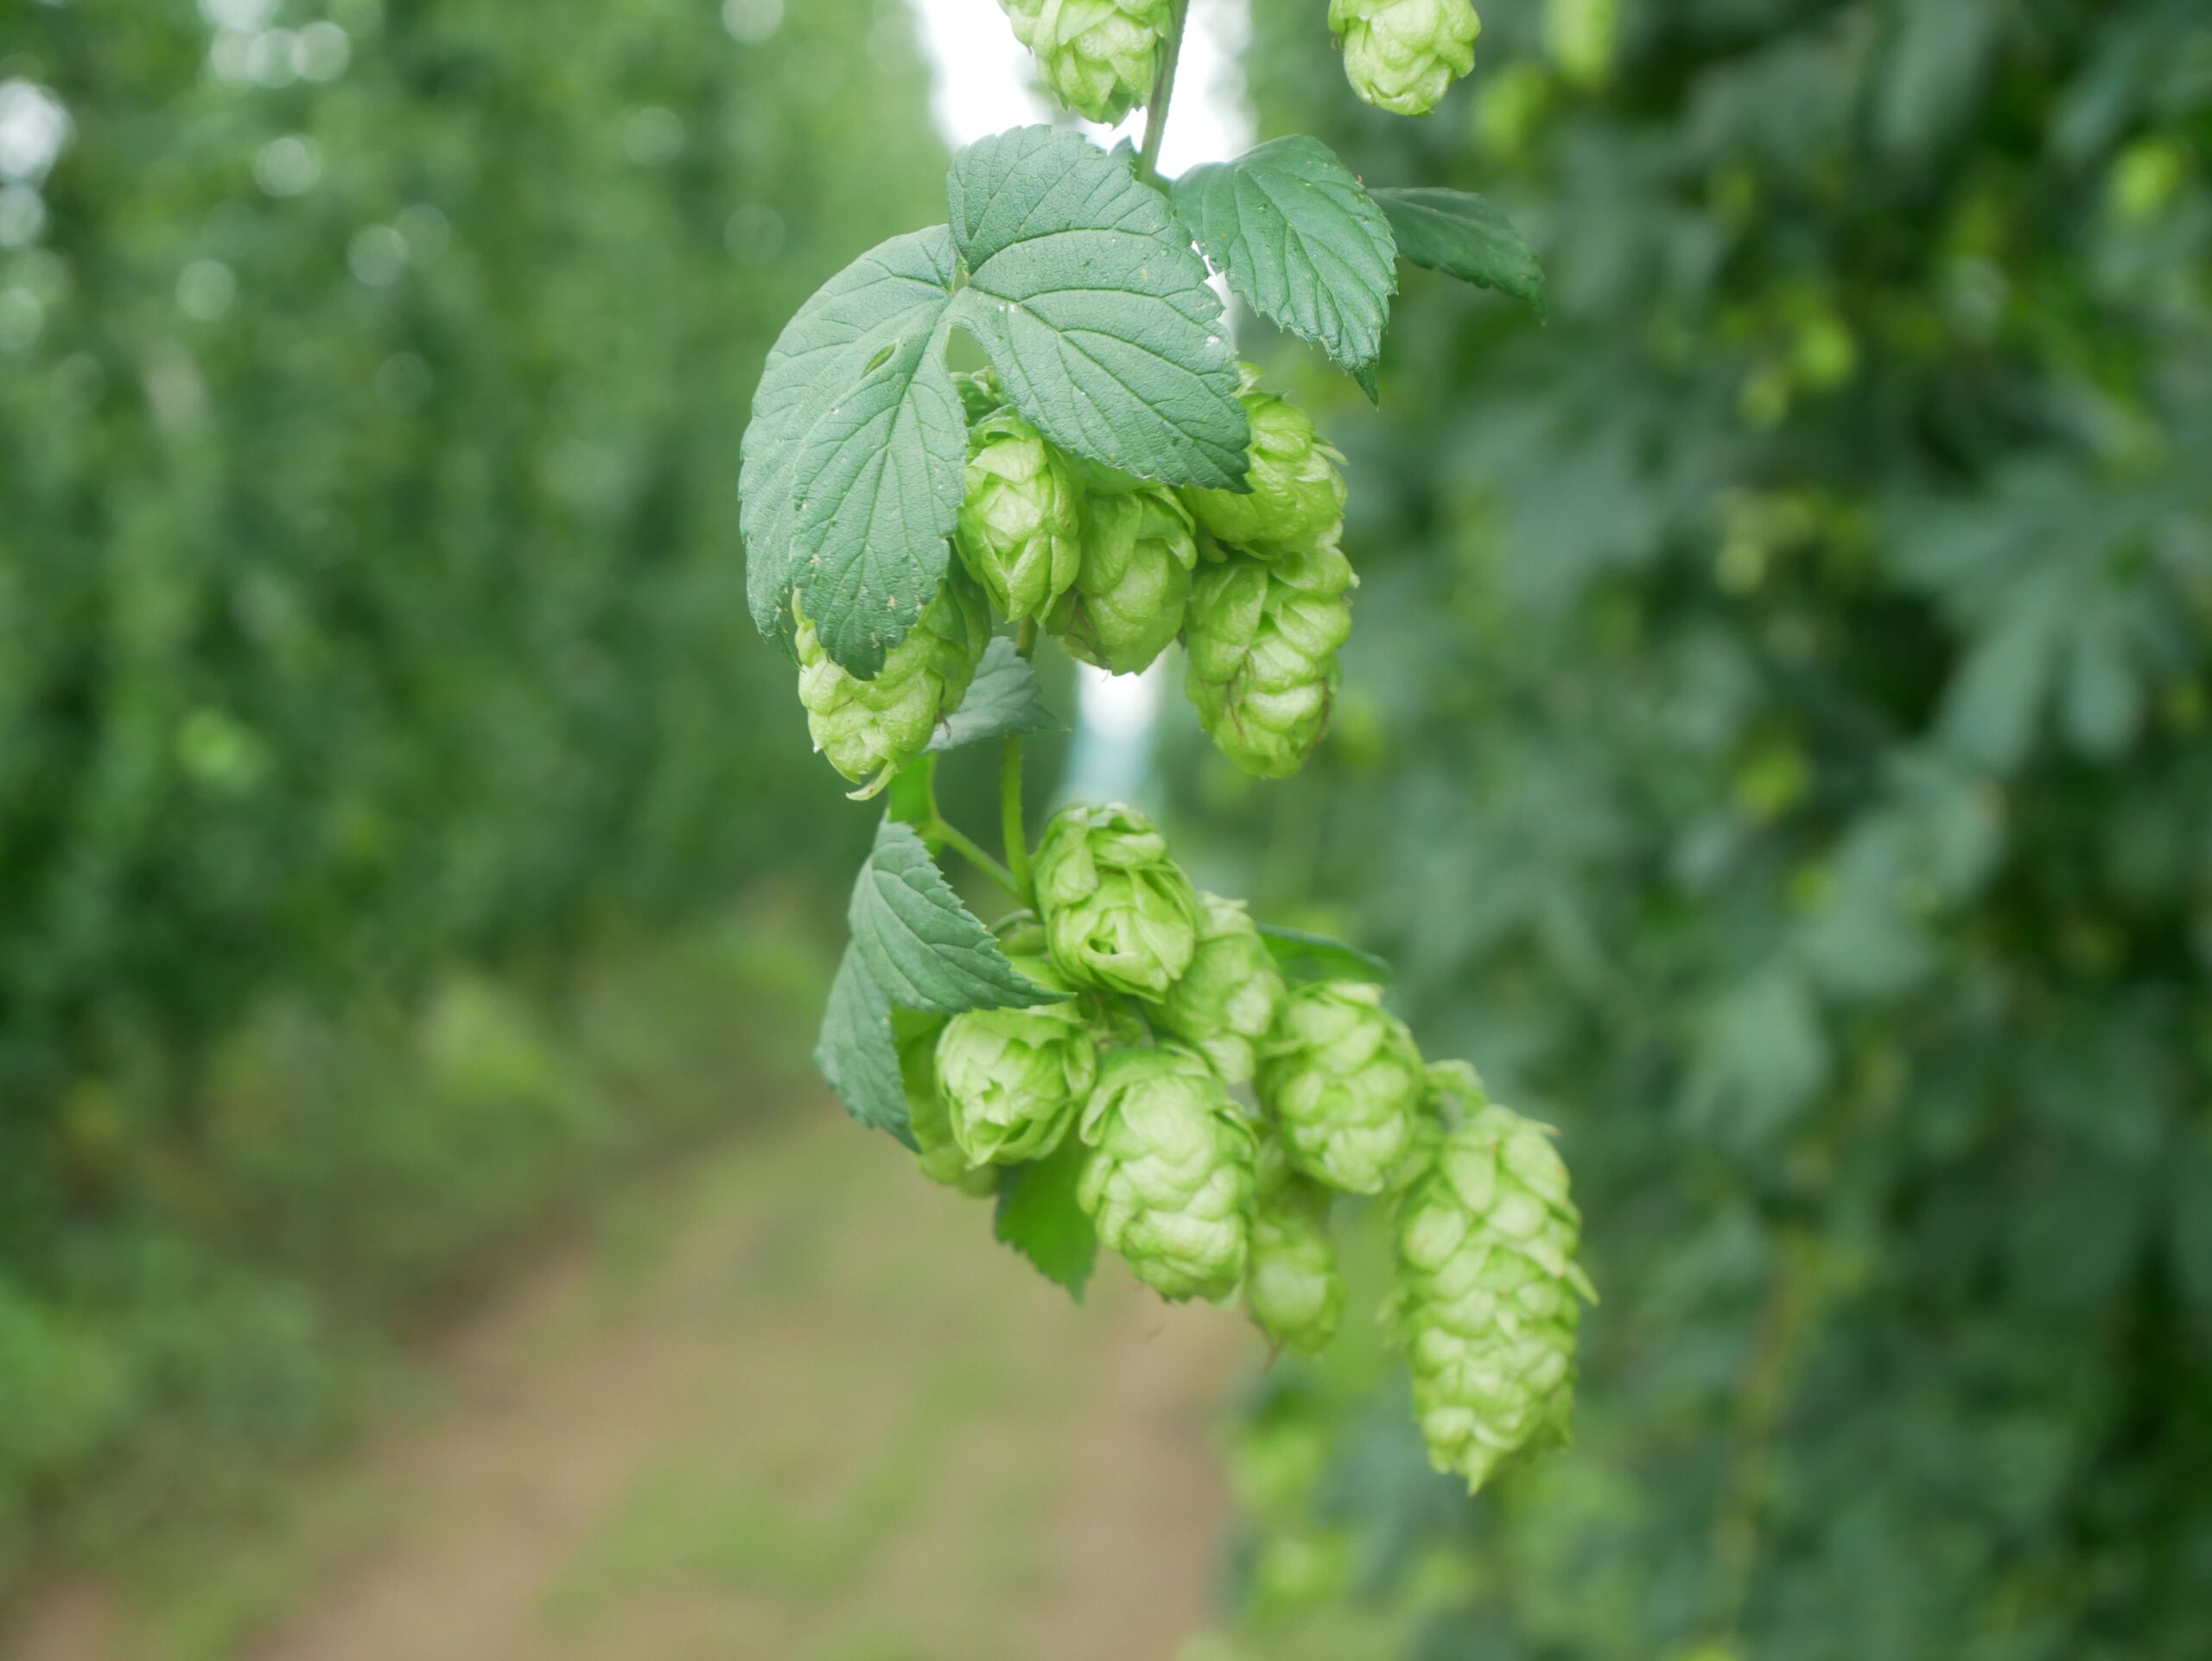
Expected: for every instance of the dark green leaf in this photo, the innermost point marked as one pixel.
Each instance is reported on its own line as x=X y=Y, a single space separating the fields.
x=1004 y=698
x=855 y=1051
x=1037 y=1216
x=1464 y=236
x=851 y=476
x=1094 y=308
x=1301 y=241
x=922 y=946
x=1306 y=956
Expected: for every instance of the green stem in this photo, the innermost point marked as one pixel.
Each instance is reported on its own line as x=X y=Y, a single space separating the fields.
x=1163 y=88
x=962 y=845
x=1011 y=830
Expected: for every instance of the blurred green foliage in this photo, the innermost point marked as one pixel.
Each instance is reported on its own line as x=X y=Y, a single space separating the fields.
x=372 y=617
x=1776 y=747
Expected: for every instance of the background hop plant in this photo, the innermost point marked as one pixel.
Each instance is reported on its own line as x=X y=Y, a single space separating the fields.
x=872 y=727
x=1013 y=1078
x=1131 y=580
x=1119 y=913
x=1168 y=1180
x=1297 y=496
x=1223 y=1005
x=1099 y=57
x=1262 y=638
x=935 y=1151
x=1401 y=54
x=1488 y=1294
x=1345 y=1081
x=1021 y=516
x=1291 y=1284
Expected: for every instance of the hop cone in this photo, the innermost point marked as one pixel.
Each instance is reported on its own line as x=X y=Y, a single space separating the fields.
x=1013 y=1078
x=935 y=1151
x=1225 y=1004
x=1297 y=496
x=1168 y=1182
x=1291 y=1283
x=1020 y=519
x=1118 y=912
x=873 y=726
x=1488 y=1294
x=1127 y=600
x=981 y=395
x=1401 y=54
x=1263 y=640
x=1100 y=57
x=1345 y=1081
x=1022 y=15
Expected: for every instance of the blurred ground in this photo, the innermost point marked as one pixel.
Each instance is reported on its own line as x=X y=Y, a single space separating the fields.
x=794 y=1403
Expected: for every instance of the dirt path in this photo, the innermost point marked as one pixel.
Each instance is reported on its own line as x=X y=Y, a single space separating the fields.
x=796 y=1406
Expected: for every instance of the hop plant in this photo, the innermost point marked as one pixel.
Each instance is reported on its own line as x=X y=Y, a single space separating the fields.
x=935 y=1151
x=1131 y=580
x=873 y=726
x=1345 y=1081
x=1401 y=54
x=1297 y=496
x=1291 y=1283
x=1262 y=639
x=1100 y=57
x=1119 y=913
x=1020 y=519
x=1013 y=1078
x=1168 y=1180
x=1488 y=1294
x=1225 y=1004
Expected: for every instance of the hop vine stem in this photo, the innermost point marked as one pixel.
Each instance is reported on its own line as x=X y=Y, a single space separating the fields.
x=1163 y=89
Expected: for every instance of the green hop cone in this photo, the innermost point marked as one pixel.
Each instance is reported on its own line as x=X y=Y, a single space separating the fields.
x=875 y=726
x=1168 y=1181
x=1261 y=639
x=1345 y=1081
x=1451 y=1093
x=1013 y=1078
x=1131 y=581
x=935 y=1151
x=1488 y=1294
x=1297 y=496
x=1100 y=57
x=1401 y=54
x=1223 y=1005
x=1291 y=1282
x=1119 y=913
x=1020 y=519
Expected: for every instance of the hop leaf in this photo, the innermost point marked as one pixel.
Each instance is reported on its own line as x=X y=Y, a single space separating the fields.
x=1297 y=498
x=1225 y=1004
x=1119 y=913
x=1401 y=54
x=935 y=1151
x=1262 y=638
x=1020 y=519
x=1488 y=1294
x=869 y=727
x=1131 y=582
x=1345 y=1081
x=1291 y=1283
x=1100 y=57
x=1013 y=1078
x=1169 y=1180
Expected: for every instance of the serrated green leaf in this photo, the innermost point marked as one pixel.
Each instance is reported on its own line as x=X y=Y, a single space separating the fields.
x=1037 y=1216
x=851 y=477
x=1305 y=957
x=1465 y=236
x=1094 y=308
x=1301 y=241
x=1004 y=698
x=922 y=946
x=855 y=1051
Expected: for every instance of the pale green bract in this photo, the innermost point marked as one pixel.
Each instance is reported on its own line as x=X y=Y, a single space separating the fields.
x=1119 y=913
x=1488 y=1294
x=1099 y=57
x=1297 y=496
x=935 y=1151
x=1291 y=1286
x=1401 y=54
x=1345 y=1081
x=869 y=728
x=1225 y=1004
x=1021 y=516
x=1262 y=638
x=1014 y=1078
x=1168 y=1181
x=1126 y=602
